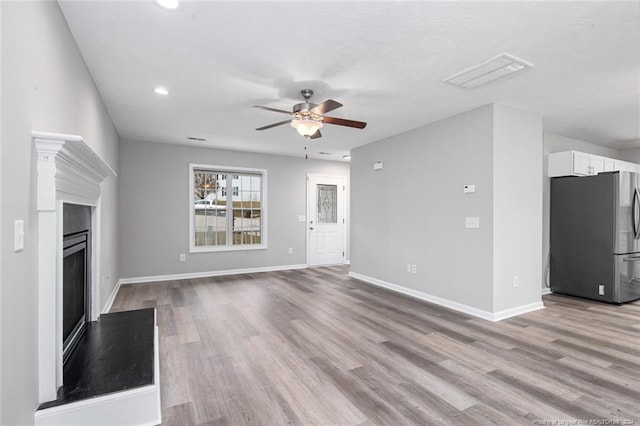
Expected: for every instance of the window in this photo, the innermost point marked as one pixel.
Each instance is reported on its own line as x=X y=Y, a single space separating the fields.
x=221 y=222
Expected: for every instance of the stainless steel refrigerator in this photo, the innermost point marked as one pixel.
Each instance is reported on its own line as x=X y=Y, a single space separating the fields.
x=595 y=236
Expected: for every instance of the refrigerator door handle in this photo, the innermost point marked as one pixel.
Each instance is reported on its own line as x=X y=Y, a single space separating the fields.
x=635 y=214
x=632 y=259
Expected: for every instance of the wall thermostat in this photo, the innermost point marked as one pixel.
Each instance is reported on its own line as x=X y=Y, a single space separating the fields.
x=468 y=189
x=377 y=166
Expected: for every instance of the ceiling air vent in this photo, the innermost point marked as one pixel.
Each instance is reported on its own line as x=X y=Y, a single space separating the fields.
x=191 y=138
x=497 y=67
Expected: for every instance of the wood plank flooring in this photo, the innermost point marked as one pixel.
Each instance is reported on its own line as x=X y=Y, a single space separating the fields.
x=315 y=347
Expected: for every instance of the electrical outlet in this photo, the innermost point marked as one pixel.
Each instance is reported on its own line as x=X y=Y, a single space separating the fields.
x=183 y=257
x=409 y=267
x=290 y=250
x=413 y=269
x=515 y=281
x=601 y=290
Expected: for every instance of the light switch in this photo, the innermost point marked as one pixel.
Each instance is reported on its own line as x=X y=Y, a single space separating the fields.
x=302 y=218
x=472 y=222
x=378 y=165
x=18 y=235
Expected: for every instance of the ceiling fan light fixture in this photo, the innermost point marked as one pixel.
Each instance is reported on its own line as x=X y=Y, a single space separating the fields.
x=306 y=126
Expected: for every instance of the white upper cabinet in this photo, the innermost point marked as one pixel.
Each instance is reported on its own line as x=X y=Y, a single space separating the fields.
x=609 y=164
x=581 y=163
x=625 y=166
x=574 y=163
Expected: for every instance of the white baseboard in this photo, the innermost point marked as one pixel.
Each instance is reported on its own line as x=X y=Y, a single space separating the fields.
x=192 y=275
x=546 y=290
x=519 y=310
x=489 y=316
x=112 y=297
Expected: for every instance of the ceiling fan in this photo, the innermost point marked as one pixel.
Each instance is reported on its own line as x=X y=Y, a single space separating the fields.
x=308 y=118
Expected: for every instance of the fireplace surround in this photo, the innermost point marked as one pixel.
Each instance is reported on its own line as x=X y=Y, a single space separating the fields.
x=68 y=171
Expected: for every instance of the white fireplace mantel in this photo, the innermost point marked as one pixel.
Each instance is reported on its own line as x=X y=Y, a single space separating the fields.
x=68 y=171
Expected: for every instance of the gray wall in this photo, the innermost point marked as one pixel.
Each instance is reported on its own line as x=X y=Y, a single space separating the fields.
x=154 y=209
x=556 y=143
x=413 y=211
x=45 y=87
x=630 y=154
x=517 y=202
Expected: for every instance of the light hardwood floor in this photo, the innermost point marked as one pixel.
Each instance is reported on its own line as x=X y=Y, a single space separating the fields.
x=315 y=347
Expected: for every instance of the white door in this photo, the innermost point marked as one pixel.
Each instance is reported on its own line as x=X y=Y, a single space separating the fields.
x=325 y=220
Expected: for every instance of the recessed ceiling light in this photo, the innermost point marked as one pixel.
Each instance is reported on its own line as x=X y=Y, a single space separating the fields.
x=161 y=91
x=168 y=4
x=494 y=68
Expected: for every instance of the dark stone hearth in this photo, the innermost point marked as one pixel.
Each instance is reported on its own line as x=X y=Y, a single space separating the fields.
x=115 y=354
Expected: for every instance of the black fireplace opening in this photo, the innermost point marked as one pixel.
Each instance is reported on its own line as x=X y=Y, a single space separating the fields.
x=76 y=261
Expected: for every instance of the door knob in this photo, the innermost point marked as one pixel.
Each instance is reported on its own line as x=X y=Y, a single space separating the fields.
x=311 y=228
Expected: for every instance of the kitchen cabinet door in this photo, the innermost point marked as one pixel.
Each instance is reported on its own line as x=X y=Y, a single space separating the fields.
x=609 y=164
x=596 y=165
x=581 y=163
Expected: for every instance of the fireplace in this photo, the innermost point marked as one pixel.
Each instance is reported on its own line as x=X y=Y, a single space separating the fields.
x=76 y=291
x=69 y=177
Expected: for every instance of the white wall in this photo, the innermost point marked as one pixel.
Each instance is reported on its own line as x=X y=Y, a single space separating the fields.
x=556 y=143
x=413 y=211
x=45 y=87
x=154 y=209
x=517 y=202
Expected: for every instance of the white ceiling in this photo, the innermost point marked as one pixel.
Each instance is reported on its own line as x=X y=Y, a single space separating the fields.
x=384 y=61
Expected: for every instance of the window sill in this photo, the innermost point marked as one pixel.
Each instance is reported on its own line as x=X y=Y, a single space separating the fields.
x=212 y=249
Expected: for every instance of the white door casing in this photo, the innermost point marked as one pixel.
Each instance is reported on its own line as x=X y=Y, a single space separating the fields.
x=326 y=220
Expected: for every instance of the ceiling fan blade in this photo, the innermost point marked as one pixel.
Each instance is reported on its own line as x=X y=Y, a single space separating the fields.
x=344 y=122
x=273 y=109
x=316 y=135
x=325 y=107
x=274 y=125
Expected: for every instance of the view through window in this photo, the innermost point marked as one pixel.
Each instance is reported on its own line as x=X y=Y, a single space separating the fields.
x=227 y=208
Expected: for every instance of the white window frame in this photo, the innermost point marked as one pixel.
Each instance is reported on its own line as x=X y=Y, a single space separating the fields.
x=230 y=172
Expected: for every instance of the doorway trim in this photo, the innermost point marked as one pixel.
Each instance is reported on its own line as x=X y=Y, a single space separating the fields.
x=309 y=214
